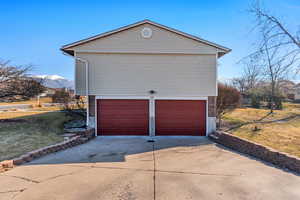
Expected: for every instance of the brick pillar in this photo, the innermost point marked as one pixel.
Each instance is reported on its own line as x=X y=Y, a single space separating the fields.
x=92 y=105
x=212 y=106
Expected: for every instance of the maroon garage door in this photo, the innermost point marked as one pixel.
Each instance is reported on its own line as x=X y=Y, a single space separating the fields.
x=180 y=117
x=122 y=117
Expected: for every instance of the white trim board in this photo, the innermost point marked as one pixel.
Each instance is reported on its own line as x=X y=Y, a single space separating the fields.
x=181 y=98
x=141 y=53
x=96 y=117
x=148 y=97
x=122 y=97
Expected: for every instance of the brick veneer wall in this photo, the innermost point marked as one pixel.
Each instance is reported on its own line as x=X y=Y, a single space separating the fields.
x=277 y=158
x=212 y=102
x=92 y=105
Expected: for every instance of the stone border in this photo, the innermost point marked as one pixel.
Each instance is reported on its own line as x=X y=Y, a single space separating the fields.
x=267 y=154
x=76 y=140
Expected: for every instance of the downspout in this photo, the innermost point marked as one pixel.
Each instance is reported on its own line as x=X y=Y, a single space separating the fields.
x=86 y=84
x=86 y=88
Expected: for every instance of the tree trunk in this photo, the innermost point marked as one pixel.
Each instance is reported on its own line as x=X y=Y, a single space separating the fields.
x=272 y=97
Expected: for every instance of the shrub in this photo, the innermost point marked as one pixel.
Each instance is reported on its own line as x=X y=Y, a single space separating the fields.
x=255 y=101
x=228 y=99
x=277 y=103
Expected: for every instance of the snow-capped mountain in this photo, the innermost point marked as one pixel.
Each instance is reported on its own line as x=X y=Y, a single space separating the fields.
x=54 y=81
x=52 y=77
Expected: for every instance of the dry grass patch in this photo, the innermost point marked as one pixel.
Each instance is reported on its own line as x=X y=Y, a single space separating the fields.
x=34 y=111
x=33 y=130
x=32 y=101
x=282 y=135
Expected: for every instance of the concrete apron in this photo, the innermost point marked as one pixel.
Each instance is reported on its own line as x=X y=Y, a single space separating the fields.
x=118 y=167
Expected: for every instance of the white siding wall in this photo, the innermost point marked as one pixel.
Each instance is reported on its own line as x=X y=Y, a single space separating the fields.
x=80 y=78
x=162 y=41
x=124 y=63
x=136 y=74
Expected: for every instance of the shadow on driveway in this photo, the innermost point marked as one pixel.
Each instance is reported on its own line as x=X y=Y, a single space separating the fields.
x=131 y=168
x=116 y=148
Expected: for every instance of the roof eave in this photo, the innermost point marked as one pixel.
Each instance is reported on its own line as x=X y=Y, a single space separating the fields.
x=65 y=47
x=222 y=53
x=67 y=51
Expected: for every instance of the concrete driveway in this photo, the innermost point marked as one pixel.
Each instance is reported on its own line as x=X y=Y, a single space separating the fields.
x=115 y=168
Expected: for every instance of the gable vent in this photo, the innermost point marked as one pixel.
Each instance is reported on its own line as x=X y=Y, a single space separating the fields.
x=146 y=32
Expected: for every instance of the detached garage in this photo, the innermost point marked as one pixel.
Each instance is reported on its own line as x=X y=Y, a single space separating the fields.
x=147 y=79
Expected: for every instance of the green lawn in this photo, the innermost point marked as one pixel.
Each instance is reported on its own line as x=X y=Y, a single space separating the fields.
x=280 y=130
x=29 y=131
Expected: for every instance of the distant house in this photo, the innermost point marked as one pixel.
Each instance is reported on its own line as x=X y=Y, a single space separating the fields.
x=147 y=79
x=287 y=88
x=297 y=92
x=49 y=92
x=290 y=89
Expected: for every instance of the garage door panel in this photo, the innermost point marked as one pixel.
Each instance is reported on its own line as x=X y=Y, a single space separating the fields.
x=180 y=117
x=123 y=117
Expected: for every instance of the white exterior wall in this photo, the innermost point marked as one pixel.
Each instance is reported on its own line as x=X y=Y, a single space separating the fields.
x=80 y=86
x=131 y=41
x=132 y=74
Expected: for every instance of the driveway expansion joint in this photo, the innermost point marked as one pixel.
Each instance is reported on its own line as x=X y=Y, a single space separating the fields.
x=12 y=191
x=154 y=172
x=23 y=178
x=198 y=173
x=66 y=174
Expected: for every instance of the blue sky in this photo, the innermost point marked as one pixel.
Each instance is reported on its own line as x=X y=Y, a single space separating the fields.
x=33 y=31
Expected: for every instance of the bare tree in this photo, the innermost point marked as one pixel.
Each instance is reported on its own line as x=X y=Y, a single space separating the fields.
x=278 y=49
x=275 y=65
x=240 y=84
x=14 y=81
x=250 y=78
x=275 y=32
x=252 y=73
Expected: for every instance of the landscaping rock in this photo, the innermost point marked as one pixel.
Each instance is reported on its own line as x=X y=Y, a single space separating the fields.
x=75 y=140
x=280 y=159
x=75 y=130
x=27 y=158
x=7 y=164
x=83 y=140
x=69 y=135
x=75 y=124
x=18 y=161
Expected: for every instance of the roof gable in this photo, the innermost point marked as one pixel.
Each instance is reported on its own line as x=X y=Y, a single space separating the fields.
x=115 y=40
